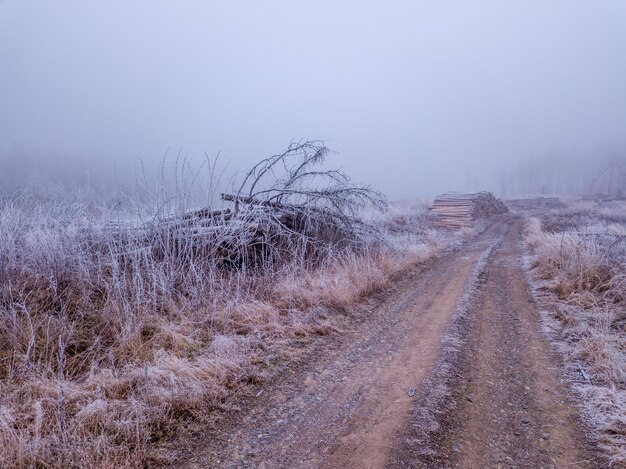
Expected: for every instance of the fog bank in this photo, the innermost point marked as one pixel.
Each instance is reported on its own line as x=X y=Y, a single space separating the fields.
x=416 y=97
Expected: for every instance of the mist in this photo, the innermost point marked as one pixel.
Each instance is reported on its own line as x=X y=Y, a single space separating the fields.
x=416 y=98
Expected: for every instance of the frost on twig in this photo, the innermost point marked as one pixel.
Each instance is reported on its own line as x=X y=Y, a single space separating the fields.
x=285 y=204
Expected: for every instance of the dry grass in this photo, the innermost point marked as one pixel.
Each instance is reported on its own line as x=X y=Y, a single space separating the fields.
x=106 y=347
x=579 y=275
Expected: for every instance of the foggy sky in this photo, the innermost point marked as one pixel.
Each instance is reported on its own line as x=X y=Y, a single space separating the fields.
x=414 y=95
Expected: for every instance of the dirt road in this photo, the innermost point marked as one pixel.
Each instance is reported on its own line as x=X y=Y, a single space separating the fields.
x=449 y=370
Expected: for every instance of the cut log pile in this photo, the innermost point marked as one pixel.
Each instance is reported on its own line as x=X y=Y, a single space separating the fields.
x=458 y=210
x=251 y=233
x=535 y=203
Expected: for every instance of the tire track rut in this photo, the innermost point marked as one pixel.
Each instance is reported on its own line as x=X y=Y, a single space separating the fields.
x=503 y=403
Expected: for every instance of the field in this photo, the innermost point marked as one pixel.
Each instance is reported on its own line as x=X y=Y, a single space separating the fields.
x=309 y=323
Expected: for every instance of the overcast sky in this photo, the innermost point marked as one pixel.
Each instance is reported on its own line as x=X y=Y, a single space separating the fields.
x=410 y=93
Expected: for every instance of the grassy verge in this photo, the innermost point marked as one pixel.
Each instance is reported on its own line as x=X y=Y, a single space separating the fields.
x=577 y=264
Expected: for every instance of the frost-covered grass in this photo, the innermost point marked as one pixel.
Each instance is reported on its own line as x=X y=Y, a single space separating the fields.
x=579 y=274
x=106 y=345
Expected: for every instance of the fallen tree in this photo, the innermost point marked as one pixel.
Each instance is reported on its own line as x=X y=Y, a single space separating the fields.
x=284 y=203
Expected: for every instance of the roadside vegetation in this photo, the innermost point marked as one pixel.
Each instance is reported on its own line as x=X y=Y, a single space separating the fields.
x=577 y=263
x=119 y=322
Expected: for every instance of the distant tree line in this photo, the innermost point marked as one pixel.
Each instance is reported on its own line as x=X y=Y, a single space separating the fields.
x=559 y=175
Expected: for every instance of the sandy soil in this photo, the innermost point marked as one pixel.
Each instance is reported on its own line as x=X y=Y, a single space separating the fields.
x=447 y=370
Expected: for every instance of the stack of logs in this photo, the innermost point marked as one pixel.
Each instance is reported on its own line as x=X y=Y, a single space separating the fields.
x=229 y=237
x=253 y=232
x=457 y=210
x=535 y=203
